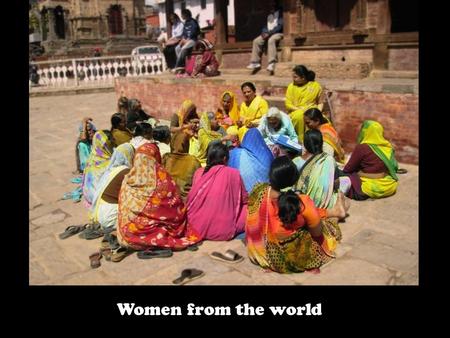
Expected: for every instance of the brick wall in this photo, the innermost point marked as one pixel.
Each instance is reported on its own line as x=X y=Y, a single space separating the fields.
x=403 y=58
x=398 y=113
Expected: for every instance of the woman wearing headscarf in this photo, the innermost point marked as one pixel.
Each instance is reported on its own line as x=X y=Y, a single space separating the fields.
x=180 y=164
x=102 y=148
x=183 y=119
x=209 y=131
x=252 y=158
x=228 y=112
x=151 y=212
x=86 y=132
x=372 y=168
x=203 y=64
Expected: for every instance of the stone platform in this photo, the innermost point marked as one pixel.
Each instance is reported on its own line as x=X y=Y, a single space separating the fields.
x=379 y=246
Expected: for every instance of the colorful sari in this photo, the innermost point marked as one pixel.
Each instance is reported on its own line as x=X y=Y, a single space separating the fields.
x=298 y=100
x=96 y=165
x=317 y=180
x=184 y=112
x=274 y=247
x=217 y=204
x=233 y=114
x=252 y=158
x=205 y=136
x=151 y=212
x=331 y=137
x=179 y=164
x=105 y=211
x=251 y=114
x=371 y=133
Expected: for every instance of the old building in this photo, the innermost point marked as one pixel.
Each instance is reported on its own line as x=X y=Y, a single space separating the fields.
x=84 y=20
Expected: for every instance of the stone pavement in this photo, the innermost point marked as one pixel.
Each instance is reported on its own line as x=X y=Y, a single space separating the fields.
x=379 y=246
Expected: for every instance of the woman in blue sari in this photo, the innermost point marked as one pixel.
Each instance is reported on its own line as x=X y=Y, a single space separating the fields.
x=252 y=158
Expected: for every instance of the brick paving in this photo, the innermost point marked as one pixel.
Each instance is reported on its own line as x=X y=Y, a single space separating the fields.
x=379 y=246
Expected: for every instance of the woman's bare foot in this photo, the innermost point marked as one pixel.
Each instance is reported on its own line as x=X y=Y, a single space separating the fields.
x=346 y=203
x=338 y=210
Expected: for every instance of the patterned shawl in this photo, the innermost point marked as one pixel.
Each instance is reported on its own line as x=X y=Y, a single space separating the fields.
x=96 y=165
x=331 y=137
x=151 y=212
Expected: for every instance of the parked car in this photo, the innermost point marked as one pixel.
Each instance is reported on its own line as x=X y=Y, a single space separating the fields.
x=147 y=52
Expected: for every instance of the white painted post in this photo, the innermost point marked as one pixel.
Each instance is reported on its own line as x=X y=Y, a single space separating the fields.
x=75 y=72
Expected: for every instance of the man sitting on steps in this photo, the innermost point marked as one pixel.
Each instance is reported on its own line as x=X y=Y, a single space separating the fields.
x=271 y=34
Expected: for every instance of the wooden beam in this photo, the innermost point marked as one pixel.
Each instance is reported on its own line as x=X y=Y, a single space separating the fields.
x=221 y=21
x=169 y=10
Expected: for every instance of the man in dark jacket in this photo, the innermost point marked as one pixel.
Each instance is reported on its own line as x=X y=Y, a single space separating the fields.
x=190 y=34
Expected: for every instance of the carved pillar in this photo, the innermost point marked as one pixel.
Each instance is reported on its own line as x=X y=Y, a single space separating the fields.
x=221 y=22
x=169 y=9
x=380 y=52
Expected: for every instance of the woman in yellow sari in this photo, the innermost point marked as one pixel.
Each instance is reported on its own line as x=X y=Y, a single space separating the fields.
x=372 y=168
x=182 y=120
x=252 y=110
x=303 y=93
x=332 y=144
x=228 y=113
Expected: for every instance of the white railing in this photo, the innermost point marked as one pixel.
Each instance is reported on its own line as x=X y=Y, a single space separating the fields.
x=95 y=71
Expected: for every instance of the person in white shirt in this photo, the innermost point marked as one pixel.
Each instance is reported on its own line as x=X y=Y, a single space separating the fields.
x=270 y=34
x=172 y=43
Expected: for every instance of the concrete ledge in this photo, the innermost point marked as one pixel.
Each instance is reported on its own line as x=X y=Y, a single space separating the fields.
x=35 y=92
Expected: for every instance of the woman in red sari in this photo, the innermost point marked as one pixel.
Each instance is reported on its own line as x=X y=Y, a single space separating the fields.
x=204 y=64
x=151 y=211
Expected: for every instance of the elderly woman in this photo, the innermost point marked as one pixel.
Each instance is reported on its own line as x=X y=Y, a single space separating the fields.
x=303 y=93
x=180 y=164
x=284 y=230
x=274 y=124
x=372 y=168
x=251 y=112
x=217 y=203
x=332 y=144
x=84 y=143
x=203 y=64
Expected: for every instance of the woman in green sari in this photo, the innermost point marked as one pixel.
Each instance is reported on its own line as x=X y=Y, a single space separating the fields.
x=372 y=168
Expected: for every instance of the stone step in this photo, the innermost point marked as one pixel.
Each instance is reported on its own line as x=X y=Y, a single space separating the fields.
x=276 y=101
x=394 y=74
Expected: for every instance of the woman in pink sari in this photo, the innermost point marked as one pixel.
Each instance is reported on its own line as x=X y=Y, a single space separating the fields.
x=217 y=202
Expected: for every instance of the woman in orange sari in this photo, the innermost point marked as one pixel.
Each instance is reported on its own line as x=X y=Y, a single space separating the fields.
x=151 y=211
x=284 y=231
x=332 y=144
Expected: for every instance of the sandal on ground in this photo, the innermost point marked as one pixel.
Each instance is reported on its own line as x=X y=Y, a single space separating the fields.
x=401 y=171
x=120 y=253
x=148 y=254
x=229 y=256
x=72 y=230
x=93 y=231
x=188 y=275
x=95 y=260
x=106 y=253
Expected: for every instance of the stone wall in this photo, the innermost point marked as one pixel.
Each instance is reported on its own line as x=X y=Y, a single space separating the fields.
x=397 y=112
x=403 y=58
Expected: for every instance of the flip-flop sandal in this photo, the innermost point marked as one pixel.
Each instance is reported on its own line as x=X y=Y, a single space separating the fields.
x=107 y=253
x=120 y=253
x=229 y=256
x=148 y=254
x=72 y=230
x=188 y=275
x=95 y=260
x=402 y=171
x=92 y=231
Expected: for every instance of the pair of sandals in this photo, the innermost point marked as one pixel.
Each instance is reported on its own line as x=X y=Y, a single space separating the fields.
x=86 y=231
